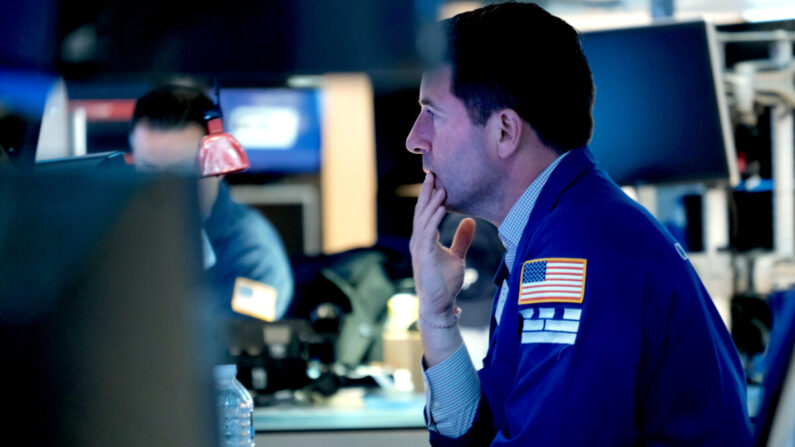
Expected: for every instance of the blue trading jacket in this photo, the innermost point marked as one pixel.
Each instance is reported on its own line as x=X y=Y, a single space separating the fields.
x=246 y=244
x=608 y=336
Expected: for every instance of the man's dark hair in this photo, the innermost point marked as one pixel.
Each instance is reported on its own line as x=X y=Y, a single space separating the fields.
x=518 y=56
x=172 y=107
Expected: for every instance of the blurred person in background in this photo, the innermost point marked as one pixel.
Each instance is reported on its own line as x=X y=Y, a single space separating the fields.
x=167 y=127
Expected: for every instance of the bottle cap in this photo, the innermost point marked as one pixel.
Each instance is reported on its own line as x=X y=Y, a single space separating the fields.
x=225 y=371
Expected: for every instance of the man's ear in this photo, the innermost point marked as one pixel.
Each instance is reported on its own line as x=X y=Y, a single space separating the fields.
x=508 y=132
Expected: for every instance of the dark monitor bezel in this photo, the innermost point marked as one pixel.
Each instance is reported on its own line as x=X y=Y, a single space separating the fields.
x=731 y=176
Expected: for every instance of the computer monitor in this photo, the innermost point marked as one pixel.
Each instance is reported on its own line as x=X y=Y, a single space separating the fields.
x=280 y=128
x=294 y=209
x=101 y=160
x=660 y=114
x=102 y=330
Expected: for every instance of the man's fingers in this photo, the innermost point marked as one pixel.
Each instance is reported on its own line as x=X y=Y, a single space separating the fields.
x=463 y=237
x=424 y=212
x=425 y=238
x=433 y=207
x=435 y=220
x=425 y=190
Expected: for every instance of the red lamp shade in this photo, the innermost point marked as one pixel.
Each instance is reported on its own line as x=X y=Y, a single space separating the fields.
x=220 y=153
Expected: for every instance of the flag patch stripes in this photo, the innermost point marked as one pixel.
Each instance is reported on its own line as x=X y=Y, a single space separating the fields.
x=551 y=280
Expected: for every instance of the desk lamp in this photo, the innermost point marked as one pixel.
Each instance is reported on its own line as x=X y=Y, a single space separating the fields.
x=220 y=153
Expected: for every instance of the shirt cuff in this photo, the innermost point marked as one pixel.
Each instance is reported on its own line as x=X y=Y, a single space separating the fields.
x=452 y=394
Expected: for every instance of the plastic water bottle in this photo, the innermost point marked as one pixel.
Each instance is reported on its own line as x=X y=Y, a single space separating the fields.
x=235 y=408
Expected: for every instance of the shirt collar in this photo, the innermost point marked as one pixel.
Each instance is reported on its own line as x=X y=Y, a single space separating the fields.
x=512 y=227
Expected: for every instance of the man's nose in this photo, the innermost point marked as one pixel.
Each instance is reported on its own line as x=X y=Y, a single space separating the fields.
x=417 y=142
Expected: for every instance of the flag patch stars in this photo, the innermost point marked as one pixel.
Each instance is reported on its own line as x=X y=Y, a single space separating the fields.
x=550 y=325
x=552 y=280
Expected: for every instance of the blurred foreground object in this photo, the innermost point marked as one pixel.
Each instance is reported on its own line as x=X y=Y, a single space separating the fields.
x=101 y=313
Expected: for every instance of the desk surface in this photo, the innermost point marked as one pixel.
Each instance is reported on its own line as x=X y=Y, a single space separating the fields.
x=345 y=438
x=348 y=410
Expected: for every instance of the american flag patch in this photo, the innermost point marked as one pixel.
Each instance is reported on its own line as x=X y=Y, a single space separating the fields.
x=552 y=280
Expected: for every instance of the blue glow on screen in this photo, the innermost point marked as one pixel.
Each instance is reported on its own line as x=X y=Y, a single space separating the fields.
x=280 y=128
x=25 y=92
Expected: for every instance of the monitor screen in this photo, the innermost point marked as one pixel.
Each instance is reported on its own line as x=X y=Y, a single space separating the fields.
x=278 y=127
x=660 y=115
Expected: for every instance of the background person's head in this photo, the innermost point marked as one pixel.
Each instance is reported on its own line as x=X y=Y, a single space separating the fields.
x=518 y=56
x=166 y=130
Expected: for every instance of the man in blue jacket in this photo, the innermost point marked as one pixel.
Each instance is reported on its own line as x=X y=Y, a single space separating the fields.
x=166 y=130
x=601 y=331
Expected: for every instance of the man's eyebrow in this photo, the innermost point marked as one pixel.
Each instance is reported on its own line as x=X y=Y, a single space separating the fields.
x=427 y=102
